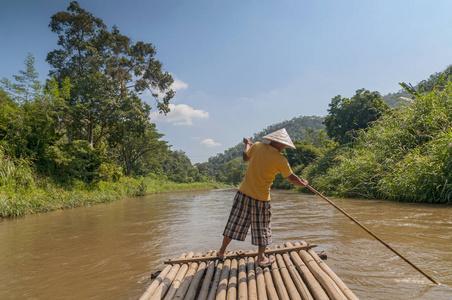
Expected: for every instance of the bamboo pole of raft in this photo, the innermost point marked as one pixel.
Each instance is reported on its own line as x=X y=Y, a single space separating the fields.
x=277 y=280
x=333 y=291
x=303 y=246
x=155 y=283
x=251 y=279
x=260 y=281
x=232 y=283
x=314 y=287
x=270 y=287
x=372 y=234
x=216 y=280
x=298 y=281
x=177 y=281
x=289 y=284
x=210 y=266
x=183 y=288
x=165 y=284
x=243 y=287
x=223 y=284
x=347 y=292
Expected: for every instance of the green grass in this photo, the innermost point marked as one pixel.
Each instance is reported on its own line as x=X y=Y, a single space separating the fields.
x=48 y=197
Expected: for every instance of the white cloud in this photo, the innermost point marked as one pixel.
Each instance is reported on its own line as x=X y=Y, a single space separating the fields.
x=180 y=114
x=210 y=143
x=179 y=85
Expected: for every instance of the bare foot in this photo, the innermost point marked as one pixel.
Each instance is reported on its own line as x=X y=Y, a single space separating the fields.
x=220 y=255
x=265 y=261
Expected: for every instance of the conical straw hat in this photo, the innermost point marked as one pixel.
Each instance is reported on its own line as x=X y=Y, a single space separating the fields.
x=280 y=136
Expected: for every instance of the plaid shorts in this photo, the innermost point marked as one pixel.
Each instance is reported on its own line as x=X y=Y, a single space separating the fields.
x=247 y=211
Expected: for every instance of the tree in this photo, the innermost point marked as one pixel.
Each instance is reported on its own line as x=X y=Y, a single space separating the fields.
x=346 y=116
x=105 y=69
x=140 y=152
x=26 y=85
x=304 y=154
x=178 y=167
x=9 y=123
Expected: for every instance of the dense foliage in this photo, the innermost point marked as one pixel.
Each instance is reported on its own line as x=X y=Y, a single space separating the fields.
x=346 y=116
x=405 y=155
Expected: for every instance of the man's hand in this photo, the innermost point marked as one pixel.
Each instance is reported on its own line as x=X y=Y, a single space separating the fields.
x=304 y=181
x=247 y=141
x=297 y=180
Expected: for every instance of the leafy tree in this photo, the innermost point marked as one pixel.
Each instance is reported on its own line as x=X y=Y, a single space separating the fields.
x=346 y=116
x=26 y=85
x=178 y=167
x=9 y=124
x=105 y=69
x=139 y=151
x=74 y=160
x=304 y=154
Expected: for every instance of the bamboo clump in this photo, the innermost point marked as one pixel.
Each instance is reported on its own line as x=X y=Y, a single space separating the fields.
x=296 y=273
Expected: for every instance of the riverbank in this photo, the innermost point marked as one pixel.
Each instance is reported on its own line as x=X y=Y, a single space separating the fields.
x=48 y=197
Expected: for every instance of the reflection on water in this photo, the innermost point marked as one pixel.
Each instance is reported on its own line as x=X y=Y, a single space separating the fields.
x=108 y=251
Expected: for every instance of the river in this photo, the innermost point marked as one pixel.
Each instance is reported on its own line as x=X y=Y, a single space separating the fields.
x=108 y=251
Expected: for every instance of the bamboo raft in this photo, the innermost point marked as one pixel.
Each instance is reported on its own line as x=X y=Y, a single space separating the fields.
x=296 y=273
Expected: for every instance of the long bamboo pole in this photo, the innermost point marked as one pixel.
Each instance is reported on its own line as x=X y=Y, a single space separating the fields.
x=372 y=234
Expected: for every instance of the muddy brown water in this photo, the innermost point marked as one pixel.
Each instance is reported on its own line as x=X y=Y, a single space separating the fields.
x=108 y=251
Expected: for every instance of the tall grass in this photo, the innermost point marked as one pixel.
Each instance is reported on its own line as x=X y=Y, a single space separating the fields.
x=406 y=155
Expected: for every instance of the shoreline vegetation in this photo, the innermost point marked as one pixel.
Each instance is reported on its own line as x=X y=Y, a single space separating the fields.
x=48 y=197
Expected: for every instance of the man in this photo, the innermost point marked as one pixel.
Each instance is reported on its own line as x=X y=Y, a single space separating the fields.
x=252 y=202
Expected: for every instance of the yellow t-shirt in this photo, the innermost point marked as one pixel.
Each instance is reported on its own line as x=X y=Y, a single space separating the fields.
x=265 y=162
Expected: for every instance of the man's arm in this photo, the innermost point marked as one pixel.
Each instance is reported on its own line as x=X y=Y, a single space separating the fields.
x=248 y=145
x=294 y=179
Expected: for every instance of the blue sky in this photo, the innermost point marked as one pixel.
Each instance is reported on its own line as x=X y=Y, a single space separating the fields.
x=243 y=65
